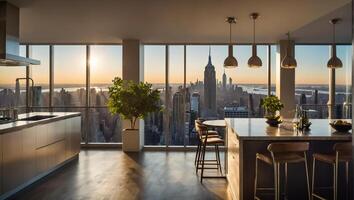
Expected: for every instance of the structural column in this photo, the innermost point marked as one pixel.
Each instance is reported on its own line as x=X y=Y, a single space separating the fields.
x=285 y=80
x=133 y=69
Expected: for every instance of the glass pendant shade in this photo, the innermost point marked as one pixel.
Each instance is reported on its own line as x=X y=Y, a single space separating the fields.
x=230 y=61
x=254 y=61
x=334 y=62
x=288 y=61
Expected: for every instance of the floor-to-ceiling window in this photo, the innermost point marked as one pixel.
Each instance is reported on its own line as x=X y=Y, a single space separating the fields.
x=156 y=124
x=312 y=80
x=40 y=76
x=200 y=87
x=105 y=65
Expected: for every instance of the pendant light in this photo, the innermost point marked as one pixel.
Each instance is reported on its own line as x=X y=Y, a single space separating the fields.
x=230 y=61
x=288 y=61
x=334 y=62
x=254 y=61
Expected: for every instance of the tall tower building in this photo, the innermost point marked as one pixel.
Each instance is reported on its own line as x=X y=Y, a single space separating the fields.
x=224 y=79
x=230 y=82
x=209 y=89
x=177 y=119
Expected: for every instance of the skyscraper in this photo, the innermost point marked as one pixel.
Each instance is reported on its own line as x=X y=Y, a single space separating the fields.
x=302 y=99
x=224 y=80
x=178 y=119
x=209 y=90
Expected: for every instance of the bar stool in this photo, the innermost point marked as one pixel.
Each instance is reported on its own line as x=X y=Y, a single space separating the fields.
x=282 y=153
x=206 y=140
x=211 y=134
x=342 y=154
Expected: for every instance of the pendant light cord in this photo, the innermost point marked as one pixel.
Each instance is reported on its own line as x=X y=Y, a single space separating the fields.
x=334 y=33
x=254 y=31
x=230 y=32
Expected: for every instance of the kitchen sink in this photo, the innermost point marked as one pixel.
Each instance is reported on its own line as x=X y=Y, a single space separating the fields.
x=37 y=117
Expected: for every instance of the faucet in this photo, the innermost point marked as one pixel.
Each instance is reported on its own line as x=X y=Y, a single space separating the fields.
x=29 y=94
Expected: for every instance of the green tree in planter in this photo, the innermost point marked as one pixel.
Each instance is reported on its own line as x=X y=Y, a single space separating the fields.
x=271 y=105
x=132 y=100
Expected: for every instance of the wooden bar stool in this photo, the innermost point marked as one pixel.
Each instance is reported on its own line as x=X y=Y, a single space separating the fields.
x=342 y=154
x=211 y=134
x=206 y=140
x=282 y=153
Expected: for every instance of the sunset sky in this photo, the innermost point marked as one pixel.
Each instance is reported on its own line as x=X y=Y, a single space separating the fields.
x=106 y=61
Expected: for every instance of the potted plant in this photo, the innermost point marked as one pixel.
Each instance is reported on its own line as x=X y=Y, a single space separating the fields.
x=271 y=105
x=132 y=101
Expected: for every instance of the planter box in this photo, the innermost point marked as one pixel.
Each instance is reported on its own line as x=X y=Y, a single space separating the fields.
x=131 y=140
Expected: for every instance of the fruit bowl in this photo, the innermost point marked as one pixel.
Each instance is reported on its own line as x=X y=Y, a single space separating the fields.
x=341 y=126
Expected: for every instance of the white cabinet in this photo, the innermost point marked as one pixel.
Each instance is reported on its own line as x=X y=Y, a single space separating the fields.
x=75 y=135
x=33 y=152
x=12 y=160
x=29 y=152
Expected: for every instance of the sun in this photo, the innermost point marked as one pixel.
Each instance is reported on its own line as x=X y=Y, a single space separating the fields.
x=93 y=62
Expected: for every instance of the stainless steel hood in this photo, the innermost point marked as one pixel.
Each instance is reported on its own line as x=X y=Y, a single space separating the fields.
x=9 y=37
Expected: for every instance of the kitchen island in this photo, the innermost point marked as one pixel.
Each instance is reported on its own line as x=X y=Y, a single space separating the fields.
x=246 y=137
x=35 y=145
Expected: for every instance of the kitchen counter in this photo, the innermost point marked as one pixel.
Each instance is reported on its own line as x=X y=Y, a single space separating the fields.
x=32 y=149
x=258 y=129
x=246 y=137
x=19 y=125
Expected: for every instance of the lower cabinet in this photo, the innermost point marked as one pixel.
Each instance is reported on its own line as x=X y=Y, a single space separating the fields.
x=13 y=174
x=34 y=151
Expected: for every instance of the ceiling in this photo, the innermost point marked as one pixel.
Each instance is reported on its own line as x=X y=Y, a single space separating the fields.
x=180 y=21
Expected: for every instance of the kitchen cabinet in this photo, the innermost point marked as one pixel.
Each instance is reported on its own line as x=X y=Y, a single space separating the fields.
x=12 y=160
x=30 y=153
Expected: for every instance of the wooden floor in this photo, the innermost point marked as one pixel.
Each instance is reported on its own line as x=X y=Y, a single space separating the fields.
x=112 y=174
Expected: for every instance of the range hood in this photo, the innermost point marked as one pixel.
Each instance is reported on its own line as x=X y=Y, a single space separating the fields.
x=9 y=37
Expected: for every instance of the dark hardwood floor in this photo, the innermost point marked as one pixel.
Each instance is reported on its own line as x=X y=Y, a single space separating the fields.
x=112 y=174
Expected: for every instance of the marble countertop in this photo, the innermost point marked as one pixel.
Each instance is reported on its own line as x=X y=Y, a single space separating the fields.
x=258 y=129
x=19 y=125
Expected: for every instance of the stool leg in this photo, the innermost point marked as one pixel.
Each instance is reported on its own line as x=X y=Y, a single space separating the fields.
x=216 y=156
x=275 y=182
x=203 y=158
x=218 y=152
x=307 y=177
x=286 y=180
x=199 y=156
x=278 y=181
x=196 y=154
x=347 y=179
x=334 y=181
x=313 y=177
x=255 y=179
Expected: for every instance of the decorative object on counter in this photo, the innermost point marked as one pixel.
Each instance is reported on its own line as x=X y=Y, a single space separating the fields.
x=230 y=61
x=132 y=101
x=288 y=61
x=271 y=105
x=254 y=61
x=302 y=122
x=334 y=62
x=341 y=126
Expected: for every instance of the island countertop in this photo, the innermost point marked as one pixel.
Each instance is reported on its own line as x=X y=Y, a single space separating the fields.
x=258 y=129
x=19 y=125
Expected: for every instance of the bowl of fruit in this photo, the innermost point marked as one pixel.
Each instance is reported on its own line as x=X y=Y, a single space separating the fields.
x=341 y=126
